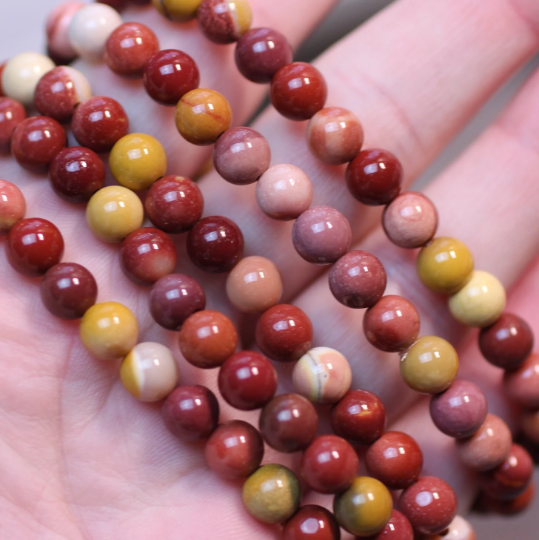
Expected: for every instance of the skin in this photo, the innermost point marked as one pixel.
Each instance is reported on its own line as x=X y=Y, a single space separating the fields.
x=80 y=458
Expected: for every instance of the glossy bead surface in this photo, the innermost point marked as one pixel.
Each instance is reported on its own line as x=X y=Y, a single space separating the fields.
x=397 y=528
x=68 y=290
x=12 y=205
x=312 y=522
x=177 y=10
x=459 y=529
x=12 y=113
x=58 y=45
x=224 y=21
x=522 y=385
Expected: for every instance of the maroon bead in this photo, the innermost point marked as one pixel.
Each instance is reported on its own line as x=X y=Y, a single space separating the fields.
x=513 y=506
x=12 y=113
x=148 y=254
x=191 y=412
x=235 y=450
x=261 y=53
x=118 y=5
x=68 y=290
x=76 y=173
x=508 y=342
x=215 y=244
x=99 y=122
x=2 y=66
x=174 y=204
x=312 y=522
x=284 y=333
x=288 y=423
x=522 y=385
x=174 y=298
x=374 y=177
x=298 y=91
x=397 y=528
x=360 y=417
x=34 y=245
x=169 y=75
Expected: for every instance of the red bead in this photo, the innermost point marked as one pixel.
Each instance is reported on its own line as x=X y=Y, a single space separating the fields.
x=169 y=75
x=513 y=506
x=522 y=385
x=374 y=177
x=298 y=91
x=12 y=205
x=224 y=21
x=12 y=113
x=34 y=245
x=99 y=122
x=118 y=5
x=68 y=290
x=312 y=522
x=397 y=528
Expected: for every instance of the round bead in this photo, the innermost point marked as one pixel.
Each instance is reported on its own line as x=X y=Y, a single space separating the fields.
x=460 y=529
x=374 y=177
x=113 y=213
x=430 y=365
x=410 y=220
x=284 y=333
x=312 y=522
x=191 y=413
x=288 y=423
x=12 y=205
x=68 y=290
x=445 y=265
x=177 y=10
x=261 y=53
x=76 y=173
x=530 y=425
x=174 y=204
x=358 y=279
x=298 y=91
x=359 y=417
x=364 y=508
x=234 y=450
x=284 y=192
x=247 y=380
x=90 y=28
x=34 y=245
x=12 y=113
x=522 y=385
x=224 y=21
x=215 y=244
x=99 y=122
x=513 y=506
x=397 y=528
x=488 y=447
x=241 y=155
x=207 y=339
x=430 y=505
x=174 y=298
x=58 y=45
x=329 y=464
x=254 y=285
x=21 y=75
x=321 y=235
x=272 y=494
x=459 y=411
x=322 y=375
x=108 y=330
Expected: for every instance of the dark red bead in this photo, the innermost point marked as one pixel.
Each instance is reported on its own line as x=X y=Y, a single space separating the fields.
x=118 y=5
x=312 y=522
x=12 y=113
x=397 y=528
x=513 y=506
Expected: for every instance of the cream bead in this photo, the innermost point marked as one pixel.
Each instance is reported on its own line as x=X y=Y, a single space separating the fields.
x=460 y=529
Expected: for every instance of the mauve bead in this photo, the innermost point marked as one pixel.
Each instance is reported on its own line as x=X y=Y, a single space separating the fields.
x=261 y=53
x=312 y=522
x=12 y=113
x=174 y=298
x=215 y=244
x=12 y=205
x=234 y=450
x=397 y=528
x=241 y=155
x=298 y=91
x=513 y=506
x=68 y=290
x=374 y=177
x=508 y=342
x=34 y=245
x=191 y=413
x=522 y=385
x=59 y=47
x=99 y=122
x=410 y=220
x=321 y=235
x=329 y=464
x=288 y=423
x=360 y=417
x=247 y=380
x=224 y=21
x=76 y=173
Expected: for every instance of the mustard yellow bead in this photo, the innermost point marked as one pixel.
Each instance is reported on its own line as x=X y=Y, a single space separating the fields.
x=177 y=10
x=108 y=330
x=137 y=161
x=430 y=365
x=114 y=212
x=445 y=265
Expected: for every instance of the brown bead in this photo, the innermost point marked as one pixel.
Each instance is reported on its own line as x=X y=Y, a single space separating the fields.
x=12 y=205
x=513 y=506
x=397 y=528
x=312 y=522
x=522 y=385
x=12 y=113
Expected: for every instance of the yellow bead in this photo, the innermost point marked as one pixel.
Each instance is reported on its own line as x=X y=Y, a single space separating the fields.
x=137 y=161
x=177 y=10
x=114 y=212
x=109 y=330
x=430 y=365
x=480 y=302
x=445 y=265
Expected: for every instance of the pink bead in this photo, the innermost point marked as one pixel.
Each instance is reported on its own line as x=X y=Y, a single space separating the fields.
x=522 y=385
x=58 y=45
x=12 y=113
x=12 y=205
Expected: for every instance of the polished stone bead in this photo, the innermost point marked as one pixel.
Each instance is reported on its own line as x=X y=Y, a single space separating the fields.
x=514 y=506
x=224 y=21
x=459 y=529
x=12 y=205
x=397 y=528
x=177 y=10
x=59 y=47
x=312 y=522
x=12 y=113
x=522 y=385
x=530 y=425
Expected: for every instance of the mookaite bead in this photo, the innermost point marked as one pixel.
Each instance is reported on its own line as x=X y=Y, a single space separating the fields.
x=108 y=330
x=58 y=45
x=12 y=205
x=358 y=279
x=460 y=529
x=312 y=522
x=410 y=220
x=68 y=290
x=12 y=113
x=272 y=494
x=322 y=375
x=177 y=10
x=522 y=385
x=224 y=21
x=321 y=235
x=530 y=425
x=284 y=192
x=512 y=506
x=397 y=528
